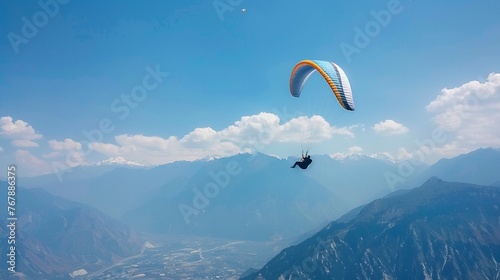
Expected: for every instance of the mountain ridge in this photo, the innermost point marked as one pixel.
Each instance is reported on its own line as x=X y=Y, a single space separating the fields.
x=423 y=233
x=56 y=236
x=252 y=198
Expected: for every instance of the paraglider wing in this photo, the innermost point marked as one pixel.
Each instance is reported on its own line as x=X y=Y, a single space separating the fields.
x=331 y=72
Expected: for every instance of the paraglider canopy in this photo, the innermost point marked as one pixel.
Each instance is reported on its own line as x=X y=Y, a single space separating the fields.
x=340 y=87
x=333 y=75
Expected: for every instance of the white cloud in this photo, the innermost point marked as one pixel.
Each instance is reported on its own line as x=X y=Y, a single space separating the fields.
x=390 y=127
x=469 y=116
x=30 y=165
x=20 y=131
x=403 y=154
x=261 y=128
x=200 y=137
x=342 y=131
x=67 y=144
x=467 y=94
x=355 y=150
x=107 y=149
x=447 y=150
x=67 y=153
x=309 y=130
x=250 y=133
x=24 y=143
x=153 y=150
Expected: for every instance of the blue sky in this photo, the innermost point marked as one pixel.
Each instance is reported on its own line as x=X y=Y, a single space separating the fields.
x=426 y=72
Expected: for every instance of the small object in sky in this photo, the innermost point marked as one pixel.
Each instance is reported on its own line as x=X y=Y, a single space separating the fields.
x=243 y=11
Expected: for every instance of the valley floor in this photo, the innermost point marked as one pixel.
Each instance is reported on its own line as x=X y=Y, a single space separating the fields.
x=191 y=257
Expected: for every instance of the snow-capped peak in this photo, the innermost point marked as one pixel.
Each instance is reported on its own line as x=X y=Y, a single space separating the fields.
x=360 y=156
x=344 y=156
x=118 y=161
x=384 y=156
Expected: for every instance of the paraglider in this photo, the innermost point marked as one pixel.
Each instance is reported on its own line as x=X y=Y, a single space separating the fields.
x=333 y=75
x=303 y=162
x=336 y=79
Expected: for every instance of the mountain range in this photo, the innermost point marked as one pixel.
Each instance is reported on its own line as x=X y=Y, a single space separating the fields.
x=259 y=197
x=55 y=236
x=266 y=194
x=111 y=188
x=356 y=178
x=441 y=230
x=481 y=167
x=242 y=197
